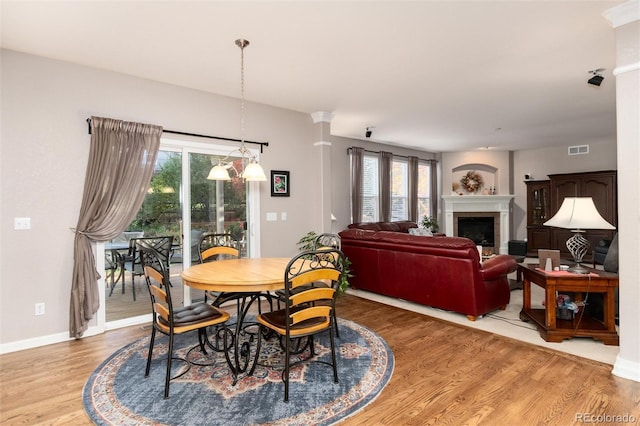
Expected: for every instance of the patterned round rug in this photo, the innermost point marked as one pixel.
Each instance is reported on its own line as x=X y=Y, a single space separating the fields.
x=117 y=392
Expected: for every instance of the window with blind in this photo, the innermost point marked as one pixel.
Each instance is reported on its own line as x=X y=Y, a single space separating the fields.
x=399 y=189
x=424 y=190
x=370 y=189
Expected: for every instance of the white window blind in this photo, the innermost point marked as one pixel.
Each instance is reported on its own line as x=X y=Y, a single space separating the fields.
x=370 y=189
x=424 y=190
x=399 y=190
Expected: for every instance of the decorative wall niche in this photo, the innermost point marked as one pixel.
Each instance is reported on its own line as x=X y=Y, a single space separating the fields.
x=489 y=175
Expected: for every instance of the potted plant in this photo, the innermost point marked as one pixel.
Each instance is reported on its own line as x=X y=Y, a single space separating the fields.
x=307 y=242
x=431 y=223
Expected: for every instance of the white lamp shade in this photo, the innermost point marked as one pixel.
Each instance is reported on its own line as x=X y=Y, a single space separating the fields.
x=219 y=172
x=254 y=173
x=578 y=213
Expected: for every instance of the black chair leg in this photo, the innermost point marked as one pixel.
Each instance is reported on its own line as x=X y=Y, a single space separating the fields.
x=113 y=284
x=168 y=377
x=333 y=356
x=133 y=286
x=150 y=355
x=285 y=377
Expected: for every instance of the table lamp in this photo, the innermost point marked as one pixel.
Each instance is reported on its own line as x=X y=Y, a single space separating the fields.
x=578 y=214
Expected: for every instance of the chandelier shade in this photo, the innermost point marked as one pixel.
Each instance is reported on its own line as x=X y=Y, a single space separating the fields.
x=253 y=172
x=219 y=172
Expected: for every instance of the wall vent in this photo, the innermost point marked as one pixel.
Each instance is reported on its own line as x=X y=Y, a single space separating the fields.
x=578 y=149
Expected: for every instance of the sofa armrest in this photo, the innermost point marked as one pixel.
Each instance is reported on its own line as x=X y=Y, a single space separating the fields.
x=498 y=266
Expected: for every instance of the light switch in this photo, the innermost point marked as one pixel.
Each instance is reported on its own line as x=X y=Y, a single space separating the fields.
x=272 y=216
x=21 y=223
x=283 y=216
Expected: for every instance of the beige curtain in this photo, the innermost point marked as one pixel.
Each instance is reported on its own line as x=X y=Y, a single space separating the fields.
x=412 y=188
x=357 y=155
x=121 y=162
x=386 y=159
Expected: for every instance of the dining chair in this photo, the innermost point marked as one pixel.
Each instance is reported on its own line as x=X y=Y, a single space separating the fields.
x=218 y=246
x=131 y=261
x=178 y=253
x=170 y=320
x=308 y=309
x=326 y=240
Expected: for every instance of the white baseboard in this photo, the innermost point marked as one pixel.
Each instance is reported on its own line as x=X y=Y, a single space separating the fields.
x=36 y=342
x=626 y=369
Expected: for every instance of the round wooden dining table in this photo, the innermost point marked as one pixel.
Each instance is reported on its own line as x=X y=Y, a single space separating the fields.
x=253 y=278
x=245 y=275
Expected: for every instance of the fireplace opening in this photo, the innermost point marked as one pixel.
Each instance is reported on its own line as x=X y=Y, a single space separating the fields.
x=478 y=229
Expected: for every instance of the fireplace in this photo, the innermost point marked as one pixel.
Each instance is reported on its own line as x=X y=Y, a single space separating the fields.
x=496 y=208
x=478 y=229
x=483 y=228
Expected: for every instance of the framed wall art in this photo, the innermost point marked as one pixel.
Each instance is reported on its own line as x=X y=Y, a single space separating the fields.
x=280 y=183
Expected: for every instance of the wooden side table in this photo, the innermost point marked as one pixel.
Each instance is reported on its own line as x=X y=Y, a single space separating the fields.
x=553 y=329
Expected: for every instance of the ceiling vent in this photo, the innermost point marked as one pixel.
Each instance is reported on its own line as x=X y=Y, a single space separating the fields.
x=578 y=149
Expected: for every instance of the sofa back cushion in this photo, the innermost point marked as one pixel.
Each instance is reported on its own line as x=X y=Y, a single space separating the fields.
x=405 y=225
x=399 y=226
x=372 y=226
x=388 y=226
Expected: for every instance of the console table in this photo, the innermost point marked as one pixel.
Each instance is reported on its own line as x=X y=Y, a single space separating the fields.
x=553 y=329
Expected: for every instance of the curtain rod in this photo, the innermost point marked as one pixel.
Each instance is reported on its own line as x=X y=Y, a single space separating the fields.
x=395 y=155
x=175 y=132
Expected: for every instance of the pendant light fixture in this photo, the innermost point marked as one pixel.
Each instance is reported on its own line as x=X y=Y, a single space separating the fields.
x=251 y=170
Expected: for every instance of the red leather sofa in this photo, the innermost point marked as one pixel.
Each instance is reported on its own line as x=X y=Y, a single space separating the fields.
x=442 y=272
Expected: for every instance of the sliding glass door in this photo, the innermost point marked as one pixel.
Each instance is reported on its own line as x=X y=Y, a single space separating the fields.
x=183 y=203
x=215 y=207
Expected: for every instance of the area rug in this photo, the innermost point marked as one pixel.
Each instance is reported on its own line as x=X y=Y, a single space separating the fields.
x=117 y=393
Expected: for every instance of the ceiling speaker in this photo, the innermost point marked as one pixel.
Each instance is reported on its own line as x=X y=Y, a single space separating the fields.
x=596 y=80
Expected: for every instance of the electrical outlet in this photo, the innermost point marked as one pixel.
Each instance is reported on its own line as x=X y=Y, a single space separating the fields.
x=21 y=223
x=40 y=308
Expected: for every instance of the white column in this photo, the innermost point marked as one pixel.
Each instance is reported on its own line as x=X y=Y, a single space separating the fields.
x=626 y=21
x=322 y=143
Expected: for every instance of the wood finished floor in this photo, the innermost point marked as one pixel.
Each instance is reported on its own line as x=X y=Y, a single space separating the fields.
x=444 y=375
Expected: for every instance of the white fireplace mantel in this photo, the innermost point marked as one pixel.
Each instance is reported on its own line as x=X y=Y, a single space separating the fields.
x=481 y=204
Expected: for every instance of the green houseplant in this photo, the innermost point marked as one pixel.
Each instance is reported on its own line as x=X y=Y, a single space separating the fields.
x=307 y=242
x=430 y=222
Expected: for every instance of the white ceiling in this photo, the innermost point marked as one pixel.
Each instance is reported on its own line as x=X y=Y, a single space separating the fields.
x=435 y=75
